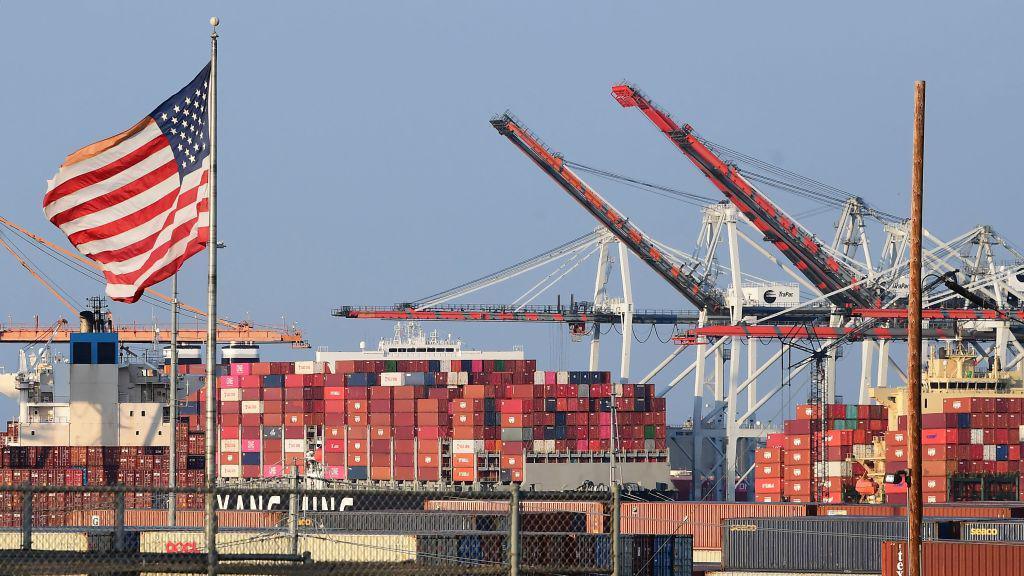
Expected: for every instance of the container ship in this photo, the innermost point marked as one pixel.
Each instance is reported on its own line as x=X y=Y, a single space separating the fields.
x=972 y=425
x=418 y=410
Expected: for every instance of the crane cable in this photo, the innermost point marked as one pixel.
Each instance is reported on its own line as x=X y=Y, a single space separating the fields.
x=660 y=190
x=795 y=183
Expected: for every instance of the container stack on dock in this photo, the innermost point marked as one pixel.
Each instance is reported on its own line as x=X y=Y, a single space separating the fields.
x=805 y=464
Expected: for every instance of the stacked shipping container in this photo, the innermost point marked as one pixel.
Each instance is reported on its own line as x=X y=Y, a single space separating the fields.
x=422 y=420
x=972 y=451
x=805 y=465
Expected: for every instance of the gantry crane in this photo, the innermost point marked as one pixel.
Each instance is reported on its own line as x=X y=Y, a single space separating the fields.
x=831 y=276
x=693 y=287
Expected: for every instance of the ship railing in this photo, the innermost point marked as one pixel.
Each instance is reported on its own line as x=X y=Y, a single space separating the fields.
x=44 y=420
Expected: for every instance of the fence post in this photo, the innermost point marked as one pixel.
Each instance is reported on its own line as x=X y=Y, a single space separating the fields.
x=615 y=528
x=293 y=511
x=119 y=521
x=26 y=519
x=513 y=532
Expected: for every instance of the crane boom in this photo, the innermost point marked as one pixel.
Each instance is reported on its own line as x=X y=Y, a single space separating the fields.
x=693 y=289
x=142 y=334
x=799 y=246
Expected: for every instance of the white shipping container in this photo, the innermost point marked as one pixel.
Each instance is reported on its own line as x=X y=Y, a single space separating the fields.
x=978 y=436
x=833 y=469
x=294 y=445
x=467 y=446
x=863 y=451
x=392 y=378
x=649 y=444
x=549 y=446
x=462 y=378
x=562 y=377
x=230 y=394
x=229 y=445
x=230 y=470
x=989 y=452
x=310 y=367
x=446 y=366
x=538 y=378
x=252 y=406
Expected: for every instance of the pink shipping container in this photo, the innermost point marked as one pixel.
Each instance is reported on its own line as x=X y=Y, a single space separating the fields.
x=273 y=471
x=702 y=520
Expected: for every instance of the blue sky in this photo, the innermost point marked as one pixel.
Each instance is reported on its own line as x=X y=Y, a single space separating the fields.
x=357 y=165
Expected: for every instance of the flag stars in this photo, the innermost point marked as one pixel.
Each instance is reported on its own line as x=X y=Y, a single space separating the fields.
x=188 y=101
x=177 y=109
x=163 y=117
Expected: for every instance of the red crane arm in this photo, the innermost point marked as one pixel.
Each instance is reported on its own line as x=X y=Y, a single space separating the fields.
x=799 y=246
x=797 y=332
x=693 y=289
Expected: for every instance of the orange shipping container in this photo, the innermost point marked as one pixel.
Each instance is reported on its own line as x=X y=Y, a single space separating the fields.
x=797 y=457
x=769 y=455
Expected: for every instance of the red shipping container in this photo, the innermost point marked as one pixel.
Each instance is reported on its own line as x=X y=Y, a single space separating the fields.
x=380 y=419
x=797 y=488
x=940 y=436
x=404 y=405
x=797 y=457
x=465 y=419
x=799 y=426
x=468 y=432
x=807 y=412
x=776 y=441
x=796 y=473
x=798 y=442
x=432 y=432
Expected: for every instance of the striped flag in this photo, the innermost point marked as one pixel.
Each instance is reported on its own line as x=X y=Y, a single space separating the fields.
x=137 y=202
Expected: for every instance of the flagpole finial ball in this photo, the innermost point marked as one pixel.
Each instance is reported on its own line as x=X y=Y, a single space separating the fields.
x=214 y=21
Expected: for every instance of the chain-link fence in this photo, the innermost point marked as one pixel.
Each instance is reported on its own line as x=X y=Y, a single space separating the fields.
x=336 y=529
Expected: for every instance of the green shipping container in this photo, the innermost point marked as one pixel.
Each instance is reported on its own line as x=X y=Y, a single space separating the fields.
x=499 y=365
x=391 y=365
x=649 y=432
x=851 y=411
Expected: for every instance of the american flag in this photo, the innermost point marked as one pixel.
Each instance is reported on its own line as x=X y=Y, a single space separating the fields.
x=137 y=202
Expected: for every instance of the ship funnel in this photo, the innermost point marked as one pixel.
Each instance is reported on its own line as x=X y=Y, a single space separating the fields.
x=86 y=320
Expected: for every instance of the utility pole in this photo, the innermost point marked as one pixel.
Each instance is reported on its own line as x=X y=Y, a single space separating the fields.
x=914 y=495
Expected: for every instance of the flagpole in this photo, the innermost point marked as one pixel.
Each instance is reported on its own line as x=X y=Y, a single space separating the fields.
x=211 y=318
